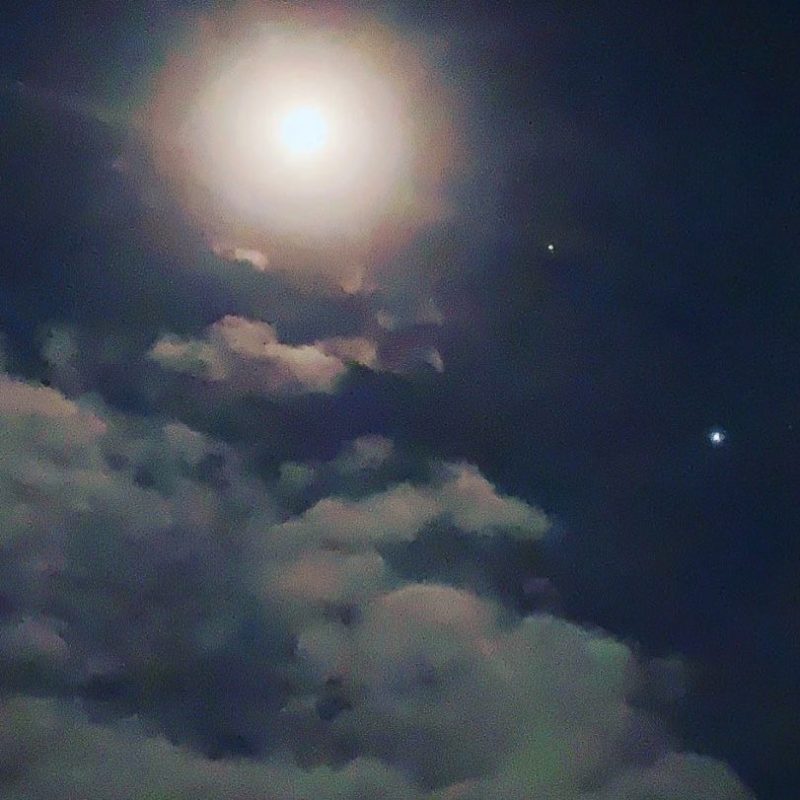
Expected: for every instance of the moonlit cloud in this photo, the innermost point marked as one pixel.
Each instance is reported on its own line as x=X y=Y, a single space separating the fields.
x=242 y=356
x=368 y=453
x=248 y=358
x=188 y=613
x=248 y=255
x=58 y=752
x=23 y=401
x=461 y=496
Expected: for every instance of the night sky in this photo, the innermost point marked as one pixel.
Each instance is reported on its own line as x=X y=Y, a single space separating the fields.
x=476 y=481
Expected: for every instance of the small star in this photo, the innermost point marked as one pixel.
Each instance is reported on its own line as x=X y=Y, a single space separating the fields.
x=551 y=248
x=717 y=437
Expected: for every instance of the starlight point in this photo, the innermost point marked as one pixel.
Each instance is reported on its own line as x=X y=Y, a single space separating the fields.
x=717 y=437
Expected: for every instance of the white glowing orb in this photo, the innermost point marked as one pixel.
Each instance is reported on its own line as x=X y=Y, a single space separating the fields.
x=300 y=135
x=717 y=437
x=304 y=131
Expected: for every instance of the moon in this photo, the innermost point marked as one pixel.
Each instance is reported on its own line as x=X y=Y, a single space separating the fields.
x=286 y=135
x=304 y=131
x=300 y=135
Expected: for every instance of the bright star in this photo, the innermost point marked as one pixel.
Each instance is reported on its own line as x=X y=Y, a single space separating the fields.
x=717 y=437
x=551 y=248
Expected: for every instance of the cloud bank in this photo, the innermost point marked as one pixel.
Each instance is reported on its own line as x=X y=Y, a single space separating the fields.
x=172 y=625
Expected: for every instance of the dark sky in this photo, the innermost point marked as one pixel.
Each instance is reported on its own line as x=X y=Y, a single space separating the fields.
x=654 y=145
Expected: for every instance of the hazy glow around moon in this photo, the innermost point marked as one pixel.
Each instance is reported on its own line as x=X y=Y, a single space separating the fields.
x=304 y=130
x=288 y=134
x=300 y=134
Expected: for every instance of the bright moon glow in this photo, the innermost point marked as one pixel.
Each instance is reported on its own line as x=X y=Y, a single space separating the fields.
x=301 y=135
x=304 y=131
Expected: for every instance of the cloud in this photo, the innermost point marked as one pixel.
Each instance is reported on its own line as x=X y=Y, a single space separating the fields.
x=171 y=627
x=329 y=559
x=421 y=312
x=461 y=496
x=21 y=401
x=474 y=705
x=55 y=751
x=244 y=357
x=248 y=255
x=247 y=358
x=367 y=453
x=115 y=540
x=676 y=776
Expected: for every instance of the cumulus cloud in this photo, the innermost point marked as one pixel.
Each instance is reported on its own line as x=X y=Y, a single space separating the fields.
x=21 y=401
x=172 y=627
x=474 y=705
x=367 y=453
x=248 y=358
x=243 y=356
x=461 y=496
x=55 y=751
x=330 y=559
